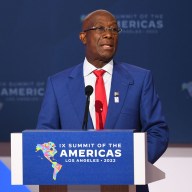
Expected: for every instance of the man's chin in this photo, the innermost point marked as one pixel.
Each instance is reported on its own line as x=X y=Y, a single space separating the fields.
x=107 y=58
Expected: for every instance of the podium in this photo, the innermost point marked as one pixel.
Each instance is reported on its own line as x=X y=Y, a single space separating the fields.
x=115 y=160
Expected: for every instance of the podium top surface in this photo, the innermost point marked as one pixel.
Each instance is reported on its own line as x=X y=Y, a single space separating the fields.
x=73 y=130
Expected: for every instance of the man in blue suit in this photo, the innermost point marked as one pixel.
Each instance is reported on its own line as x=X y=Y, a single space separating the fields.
x=132 y=100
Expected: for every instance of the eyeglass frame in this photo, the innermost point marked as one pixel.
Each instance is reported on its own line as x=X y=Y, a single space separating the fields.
x=103 y=29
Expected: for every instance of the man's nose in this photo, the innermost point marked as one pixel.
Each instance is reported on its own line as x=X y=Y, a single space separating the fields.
x=107 y=34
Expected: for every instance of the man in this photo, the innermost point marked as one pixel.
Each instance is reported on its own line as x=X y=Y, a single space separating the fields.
x=130 y=99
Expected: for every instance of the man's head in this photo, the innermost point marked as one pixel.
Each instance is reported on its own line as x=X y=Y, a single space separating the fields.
x=100 y=36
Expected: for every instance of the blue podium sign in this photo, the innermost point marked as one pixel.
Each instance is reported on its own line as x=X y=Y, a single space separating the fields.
x=78 y=157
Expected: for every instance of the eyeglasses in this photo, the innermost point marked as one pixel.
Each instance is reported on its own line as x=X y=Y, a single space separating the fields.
x=102 y=29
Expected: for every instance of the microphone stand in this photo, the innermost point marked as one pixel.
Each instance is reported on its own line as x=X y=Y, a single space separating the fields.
x=85 y=120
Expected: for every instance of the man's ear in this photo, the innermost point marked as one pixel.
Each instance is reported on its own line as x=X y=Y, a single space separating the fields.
x=82 y=37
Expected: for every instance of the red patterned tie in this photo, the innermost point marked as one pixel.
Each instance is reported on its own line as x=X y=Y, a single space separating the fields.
x=100 y=100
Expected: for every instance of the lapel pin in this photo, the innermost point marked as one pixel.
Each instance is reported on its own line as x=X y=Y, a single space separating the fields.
x=116 y=97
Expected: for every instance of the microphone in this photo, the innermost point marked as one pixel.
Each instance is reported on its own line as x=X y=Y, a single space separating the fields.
x=88 y=92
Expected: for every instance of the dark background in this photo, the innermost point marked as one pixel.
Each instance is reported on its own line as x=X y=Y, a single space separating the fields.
x=41 y=37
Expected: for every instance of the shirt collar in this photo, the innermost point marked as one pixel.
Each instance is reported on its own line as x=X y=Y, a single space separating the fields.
x=88 y=68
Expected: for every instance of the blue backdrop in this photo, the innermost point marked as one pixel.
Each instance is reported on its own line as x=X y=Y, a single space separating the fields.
x=40 y=38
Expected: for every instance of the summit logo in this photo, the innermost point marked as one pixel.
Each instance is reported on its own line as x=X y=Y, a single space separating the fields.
x=1 y=106
x=141 y=23
x=49 y=150
x=138 y=23
x=188 y=87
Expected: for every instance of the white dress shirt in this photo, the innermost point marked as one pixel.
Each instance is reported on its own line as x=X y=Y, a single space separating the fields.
x=90 y=79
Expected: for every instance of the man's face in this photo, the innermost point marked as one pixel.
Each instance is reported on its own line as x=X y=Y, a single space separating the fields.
x=100 y=45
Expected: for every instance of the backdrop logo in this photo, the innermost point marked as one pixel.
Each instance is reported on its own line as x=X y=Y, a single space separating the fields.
x=22 y=90
x=138 y=23
x=188 y=87
x=141 y=23
x=49 y=151
x=1 y=106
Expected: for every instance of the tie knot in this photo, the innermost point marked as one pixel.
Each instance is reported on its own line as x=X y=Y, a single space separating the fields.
x=99 y=73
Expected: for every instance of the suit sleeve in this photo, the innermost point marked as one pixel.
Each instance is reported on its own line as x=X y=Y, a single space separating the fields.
x=152 y=120
x=49 y=113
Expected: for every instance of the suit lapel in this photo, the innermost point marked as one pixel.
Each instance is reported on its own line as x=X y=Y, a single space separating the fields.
x=120 y=83
x=76 y=89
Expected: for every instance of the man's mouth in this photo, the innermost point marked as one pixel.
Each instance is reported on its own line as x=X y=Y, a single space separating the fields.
x=107 y=46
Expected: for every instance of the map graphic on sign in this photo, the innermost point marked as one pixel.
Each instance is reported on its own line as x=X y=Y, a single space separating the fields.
x=49 y=151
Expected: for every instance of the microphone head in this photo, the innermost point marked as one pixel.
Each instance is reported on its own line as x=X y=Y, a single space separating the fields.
x=88 y=90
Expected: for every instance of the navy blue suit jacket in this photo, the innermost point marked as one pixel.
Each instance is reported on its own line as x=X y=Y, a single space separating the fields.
x=139 y=106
